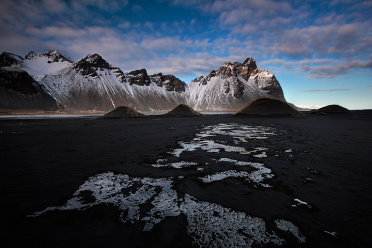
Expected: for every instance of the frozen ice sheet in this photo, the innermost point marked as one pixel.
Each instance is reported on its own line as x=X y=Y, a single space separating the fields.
x=207 y=223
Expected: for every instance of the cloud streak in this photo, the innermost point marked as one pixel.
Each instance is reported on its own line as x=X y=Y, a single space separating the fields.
x=325 y=90
x=334 y=70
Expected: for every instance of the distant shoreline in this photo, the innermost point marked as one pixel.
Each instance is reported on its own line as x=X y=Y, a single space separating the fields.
x=15 y=112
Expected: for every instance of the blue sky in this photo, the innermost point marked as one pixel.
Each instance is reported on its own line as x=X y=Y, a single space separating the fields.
x=320 y=51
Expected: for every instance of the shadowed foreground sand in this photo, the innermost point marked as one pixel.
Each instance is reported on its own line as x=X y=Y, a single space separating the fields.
x=164 y=181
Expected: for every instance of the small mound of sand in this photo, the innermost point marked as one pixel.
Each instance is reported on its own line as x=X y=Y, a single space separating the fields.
x=267 y=106
x=122 y=112
x=330 y=109
x=183 y=110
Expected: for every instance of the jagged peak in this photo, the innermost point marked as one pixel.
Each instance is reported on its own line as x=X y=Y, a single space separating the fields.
x=95 y=60
x=31 y=55
x=92 y=57
x=249 y=60
x=10 y=59
x=12 y=55
x=228 y=64
x=139 y=77
x=142 y=71
x=52 y=55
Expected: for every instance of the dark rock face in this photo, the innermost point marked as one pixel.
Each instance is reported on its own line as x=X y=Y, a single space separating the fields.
x=170 y=82
x=225 y=71
x=119 y=74
x=173 y=84
x=10 y=59
x=31 y=55
x=157 y=79
x=138 y=77
x=90 y=64
x=228 y=71
x=18 y=90
x=19 y=81
x=270 y=85
x=238 y=88
x=247 y=69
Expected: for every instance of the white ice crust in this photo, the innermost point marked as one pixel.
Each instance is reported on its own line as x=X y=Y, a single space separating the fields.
x=288 y=226
x=209 y=224
x=148 y=201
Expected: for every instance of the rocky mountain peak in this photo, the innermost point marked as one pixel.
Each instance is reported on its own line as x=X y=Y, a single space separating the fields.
x=52 y=55
x=170 y=82
x=249 y=61
x=92 y=62
x=10 y=59
x=138 y=77
x=31 y=55
x=55 y=56
x=247 y=69
x=96 y=60
x=157 y=79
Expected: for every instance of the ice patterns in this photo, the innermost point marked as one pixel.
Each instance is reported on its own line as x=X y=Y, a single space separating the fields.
x=209 y=224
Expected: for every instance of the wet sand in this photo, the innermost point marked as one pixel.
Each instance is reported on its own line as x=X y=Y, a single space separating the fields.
x=175 y=181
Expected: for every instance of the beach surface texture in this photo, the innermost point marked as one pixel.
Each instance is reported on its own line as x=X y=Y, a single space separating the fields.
x=174 y=181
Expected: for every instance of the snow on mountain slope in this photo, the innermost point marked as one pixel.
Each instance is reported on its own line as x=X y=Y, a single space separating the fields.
x=48 y=62
x=92 y=83
x=233 y=86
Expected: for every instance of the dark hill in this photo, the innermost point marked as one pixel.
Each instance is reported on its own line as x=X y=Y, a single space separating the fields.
x=267 y=106
x=330 y=109
x=183 y=110
x=122 y=112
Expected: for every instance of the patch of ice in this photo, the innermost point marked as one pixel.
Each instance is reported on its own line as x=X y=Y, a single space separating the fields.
x=241 y=133
x=223 y=175
x=208 y=146
x=288 y=226
x=258 y=176
x=334 y=234
x=239 y=163
x=299 y=202
x=209 y=224
x=176 y=165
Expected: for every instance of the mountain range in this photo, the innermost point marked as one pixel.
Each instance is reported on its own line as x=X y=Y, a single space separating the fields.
x=52 y=81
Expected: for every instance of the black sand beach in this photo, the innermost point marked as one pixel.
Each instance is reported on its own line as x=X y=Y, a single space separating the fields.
x=273 y=182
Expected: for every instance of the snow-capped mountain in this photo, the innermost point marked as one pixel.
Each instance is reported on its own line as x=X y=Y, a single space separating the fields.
x=232 y=86
x=93 y=84
x=18 y=90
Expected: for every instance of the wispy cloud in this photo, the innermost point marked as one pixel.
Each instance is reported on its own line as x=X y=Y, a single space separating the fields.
x=325 y=90
x=284 y=35
x=335 y=69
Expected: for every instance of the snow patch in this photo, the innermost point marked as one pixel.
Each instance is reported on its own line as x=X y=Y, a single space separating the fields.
x=288 y=226
x=176 y=165
x=207 y=222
